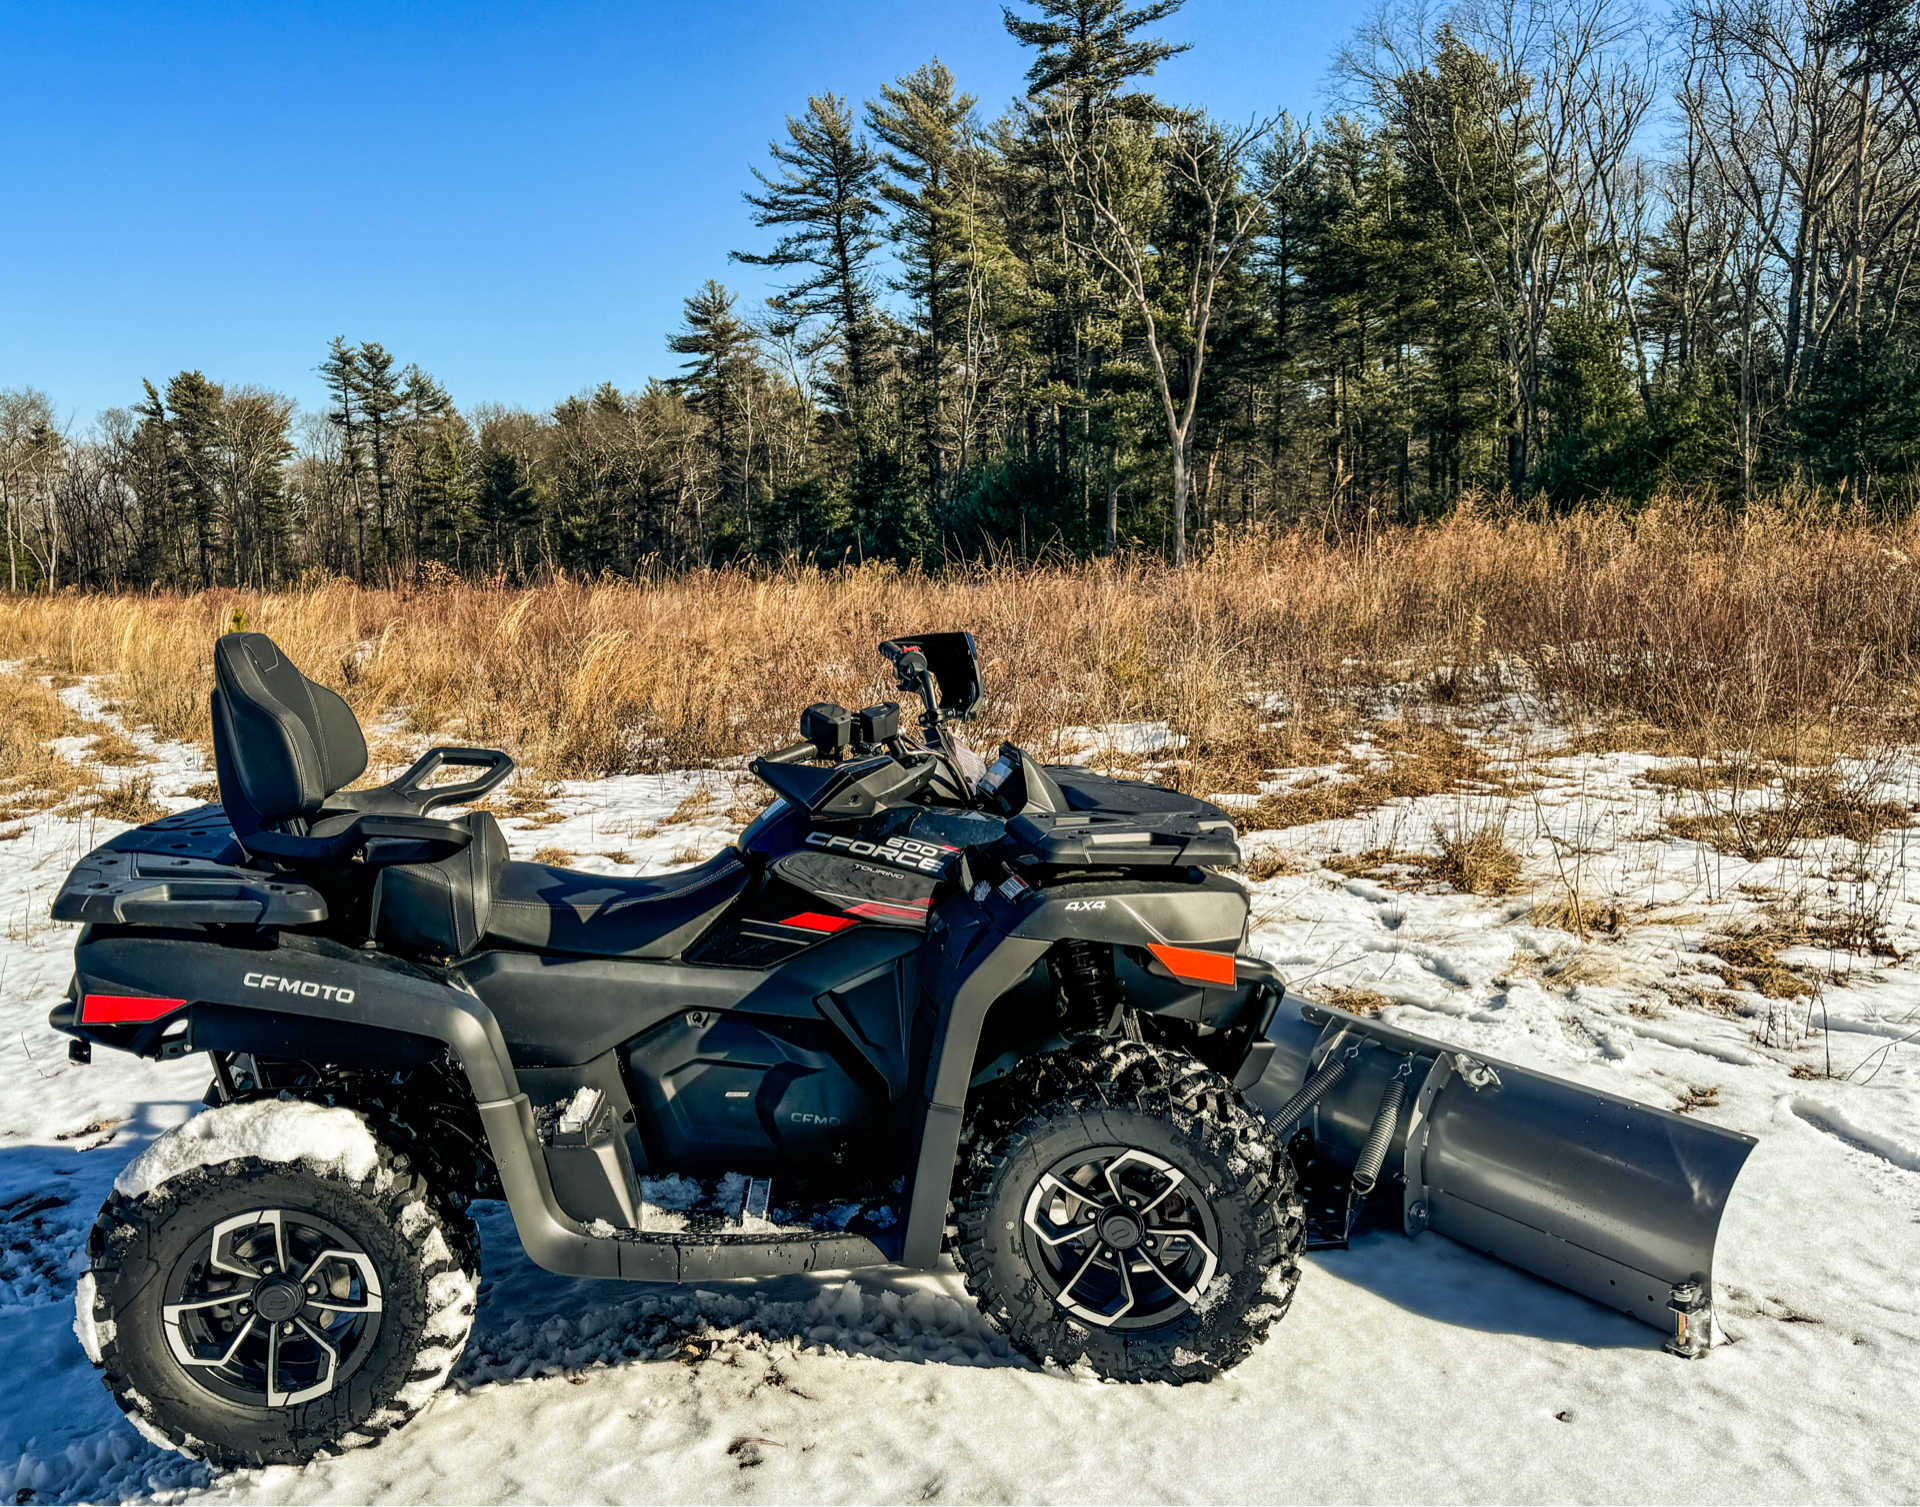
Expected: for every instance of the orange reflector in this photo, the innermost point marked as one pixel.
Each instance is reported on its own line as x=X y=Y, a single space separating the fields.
x=125 y=1009
x=1193 y=966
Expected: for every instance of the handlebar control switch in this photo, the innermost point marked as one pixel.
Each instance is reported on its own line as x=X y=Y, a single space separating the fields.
x=828 y=726
x=874 y=725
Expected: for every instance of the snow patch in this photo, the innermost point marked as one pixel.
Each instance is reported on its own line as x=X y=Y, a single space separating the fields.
x=333 y=1142
x=92 y=1335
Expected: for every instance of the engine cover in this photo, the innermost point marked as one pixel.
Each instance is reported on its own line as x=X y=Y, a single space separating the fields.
x=734 y=1092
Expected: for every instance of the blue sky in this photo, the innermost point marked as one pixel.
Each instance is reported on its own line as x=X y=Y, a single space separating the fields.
x=519 y=198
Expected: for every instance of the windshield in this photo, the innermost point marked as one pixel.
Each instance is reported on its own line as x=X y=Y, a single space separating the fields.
x=966 y=762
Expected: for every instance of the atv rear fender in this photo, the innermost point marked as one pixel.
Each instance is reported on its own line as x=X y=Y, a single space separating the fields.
x=204 y=995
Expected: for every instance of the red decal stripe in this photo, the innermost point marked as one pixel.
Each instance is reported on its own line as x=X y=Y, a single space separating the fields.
x=125 y=1009
x=1195 y=966
x=813 y=921
x=888 y=910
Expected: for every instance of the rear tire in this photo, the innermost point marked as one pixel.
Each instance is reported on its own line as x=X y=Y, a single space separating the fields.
x=378 y=1311
x=1185 y=1246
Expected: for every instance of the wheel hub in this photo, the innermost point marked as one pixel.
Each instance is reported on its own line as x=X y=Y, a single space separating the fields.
x=1122 y=1229
x=276 y=1299
x=1121 y=1238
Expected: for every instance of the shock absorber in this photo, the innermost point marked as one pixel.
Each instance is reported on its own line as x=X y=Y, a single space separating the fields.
x=1083 y=978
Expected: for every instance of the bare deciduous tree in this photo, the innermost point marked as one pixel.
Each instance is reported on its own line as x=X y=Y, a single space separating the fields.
x=1167 y=211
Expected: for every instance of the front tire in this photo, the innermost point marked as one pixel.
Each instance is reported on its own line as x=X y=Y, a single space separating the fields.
x=259 y=1312
x=1119 y=1205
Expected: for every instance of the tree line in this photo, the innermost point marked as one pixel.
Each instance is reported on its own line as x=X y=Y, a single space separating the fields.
x=1543 y=248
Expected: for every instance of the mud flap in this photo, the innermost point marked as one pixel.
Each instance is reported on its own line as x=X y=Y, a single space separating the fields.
x=1610 y=1198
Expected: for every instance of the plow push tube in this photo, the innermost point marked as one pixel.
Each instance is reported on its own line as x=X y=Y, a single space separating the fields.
x=1613 y=1199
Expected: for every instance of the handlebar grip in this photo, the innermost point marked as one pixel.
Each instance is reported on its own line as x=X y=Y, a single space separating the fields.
x=793 y=753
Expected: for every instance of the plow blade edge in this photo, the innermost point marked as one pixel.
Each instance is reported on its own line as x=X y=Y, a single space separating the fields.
x=1608 y=1197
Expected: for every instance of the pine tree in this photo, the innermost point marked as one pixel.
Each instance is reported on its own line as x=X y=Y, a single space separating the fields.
x=926 y=123
x=1089 y=50
x=717 y=383
x=341 y=370
x=825 y=190
x=378 y=395
x=195 y=406
x=505 y=502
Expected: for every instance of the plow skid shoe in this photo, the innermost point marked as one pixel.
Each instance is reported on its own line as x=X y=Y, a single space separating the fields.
x=1608 y=1197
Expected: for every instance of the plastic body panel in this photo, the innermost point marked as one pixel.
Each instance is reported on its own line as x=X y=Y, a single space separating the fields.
x=764 y=1095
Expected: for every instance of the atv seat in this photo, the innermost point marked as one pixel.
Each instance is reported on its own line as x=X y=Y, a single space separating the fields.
x=285 y=747
x=560 y=910
x=480 y=898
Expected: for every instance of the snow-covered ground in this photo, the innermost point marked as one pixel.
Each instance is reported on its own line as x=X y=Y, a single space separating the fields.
x=1407 y=1370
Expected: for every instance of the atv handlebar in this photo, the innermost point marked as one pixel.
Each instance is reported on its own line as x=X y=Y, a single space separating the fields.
x=793 y=753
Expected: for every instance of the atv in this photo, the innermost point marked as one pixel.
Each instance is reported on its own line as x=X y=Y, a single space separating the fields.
x=924 y=1007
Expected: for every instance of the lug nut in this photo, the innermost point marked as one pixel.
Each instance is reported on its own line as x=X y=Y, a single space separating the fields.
x=246 y=1308
x=267 y=1267
x=286 y=1329
x=313 y=1289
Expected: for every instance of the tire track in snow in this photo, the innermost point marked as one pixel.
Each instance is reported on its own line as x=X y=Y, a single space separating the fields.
x=1836 y=1123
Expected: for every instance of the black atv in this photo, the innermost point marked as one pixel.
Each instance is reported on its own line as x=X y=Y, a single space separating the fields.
x=923 y=1006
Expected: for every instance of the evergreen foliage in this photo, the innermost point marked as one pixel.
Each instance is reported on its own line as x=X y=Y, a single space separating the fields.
x=1102 y=321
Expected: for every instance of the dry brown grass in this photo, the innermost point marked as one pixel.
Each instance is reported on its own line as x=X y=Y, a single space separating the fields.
x=1698 y=775
x=1367 y=1002
x=115 y=748
x=1377 y=864
x=1806 y=807
x=131 y=801
x=1479 y=861
x=32 y=776
x=697 y=806
x=558 y=857
x=1269 y=863
x=1579 y=914
x=1409 y=758
x=1681 y=620
x=1752 y=956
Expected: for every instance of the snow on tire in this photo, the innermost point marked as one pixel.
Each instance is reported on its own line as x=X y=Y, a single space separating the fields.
x=1118 y=1205
x=259 y=1311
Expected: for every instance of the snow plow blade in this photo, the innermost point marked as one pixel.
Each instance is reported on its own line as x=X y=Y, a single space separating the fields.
x=1610 y=1198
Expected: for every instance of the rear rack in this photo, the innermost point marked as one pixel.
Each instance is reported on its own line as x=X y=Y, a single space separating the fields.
x=181 y=871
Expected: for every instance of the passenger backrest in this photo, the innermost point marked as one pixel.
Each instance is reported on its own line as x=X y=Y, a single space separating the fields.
x=282 y=744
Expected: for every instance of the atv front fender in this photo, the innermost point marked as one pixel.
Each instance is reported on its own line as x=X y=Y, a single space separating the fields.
x=978 y=949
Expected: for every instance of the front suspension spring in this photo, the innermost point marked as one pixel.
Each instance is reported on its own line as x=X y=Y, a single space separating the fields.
x=1083 y=976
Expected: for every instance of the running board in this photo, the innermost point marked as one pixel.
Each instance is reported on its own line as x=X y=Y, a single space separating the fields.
x=560 y=1243
x=1608 y=1197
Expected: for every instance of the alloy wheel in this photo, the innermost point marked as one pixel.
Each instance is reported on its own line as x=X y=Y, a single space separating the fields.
x=272 y=1308
x=1122 y=1238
